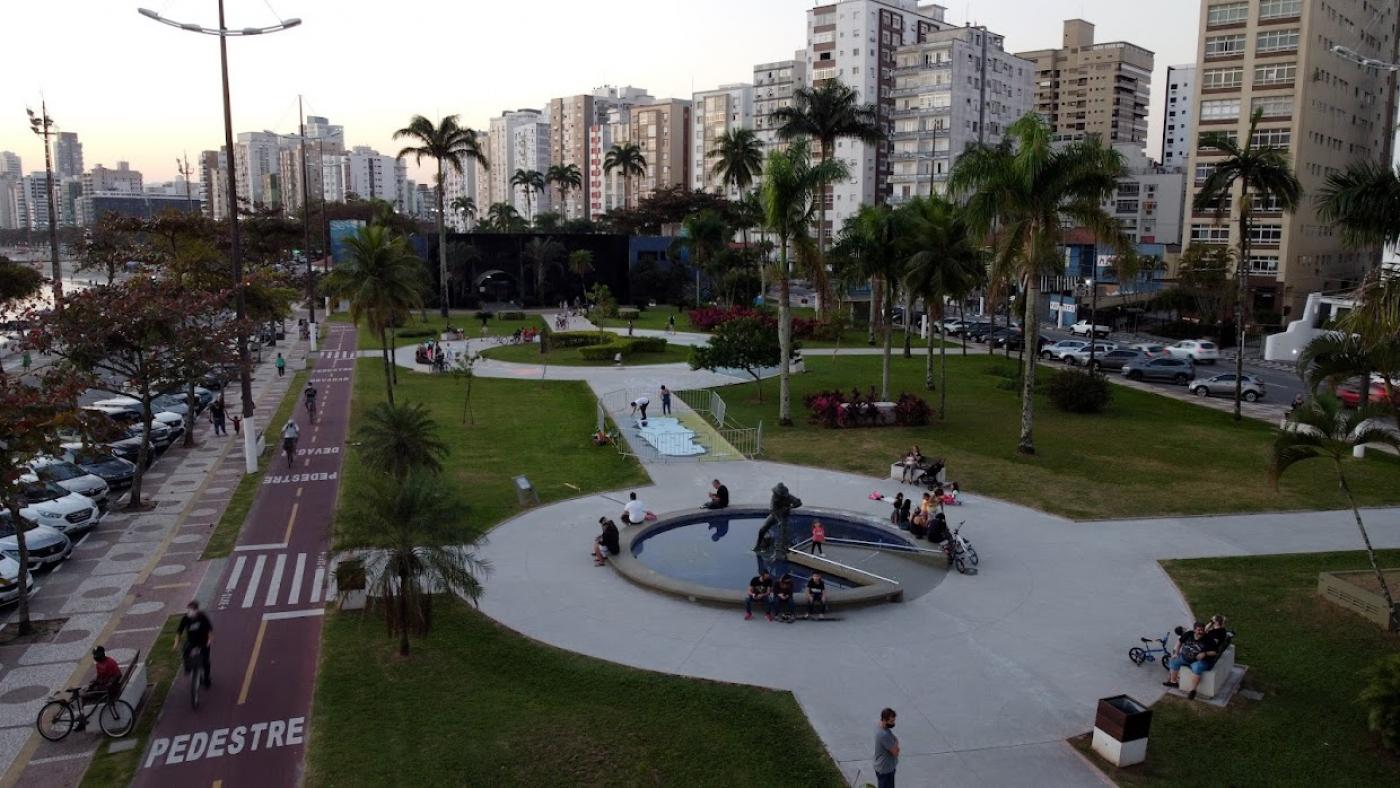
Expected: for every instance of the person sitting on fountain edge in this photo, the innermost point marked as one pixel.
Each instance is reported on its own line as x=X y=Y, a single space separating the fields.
x=606 y=543
x=634 y=512
x=760 y=587
x=719 y=498
x=783 y=598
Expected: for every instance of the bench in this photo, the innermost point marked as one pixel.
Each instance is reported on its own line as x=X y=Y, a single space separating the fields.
x=1210 y=683
x=897 y=472
x=525 y=492
x=884 y=414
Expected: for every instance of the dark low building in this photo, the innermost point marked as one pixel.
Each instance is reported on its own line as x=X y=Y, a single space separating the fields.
x=502 y=267
x=138 y=206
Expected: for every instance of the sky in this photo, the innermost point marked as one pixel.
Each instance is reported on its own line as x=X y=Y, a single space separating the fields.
x=146 y=93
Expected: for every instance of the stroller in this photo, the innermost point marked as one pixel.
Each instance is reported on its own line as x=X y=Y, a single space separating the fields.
x=933 y=476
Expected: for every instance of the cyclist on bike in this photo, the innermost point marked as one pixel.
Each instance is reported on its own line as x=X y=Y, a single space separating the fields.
x=198 y=632
x=309 y=394
x=109 y=677
x=290 y=433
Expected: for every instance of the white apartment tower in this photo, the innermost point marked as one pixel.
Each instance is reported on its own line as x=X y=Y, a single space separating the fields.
x=256 y=155
x=13 y=208
x=460 y=184
x=1150 y=198
x=773 y=86
x=508 y=152
x=370 y=175
x=956 y=87
x=716 y=113
x=1178 y=131
x=530 y=151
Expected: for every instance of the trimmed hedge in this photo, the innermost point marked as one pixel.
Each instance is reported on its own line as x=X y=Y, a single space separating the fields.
x=510 y=315
x=624 y=345
x=563 y=339
x=629 y=313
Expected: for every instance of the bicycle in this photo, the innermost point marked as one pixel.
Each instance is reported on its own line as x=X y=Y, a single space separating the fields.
x=1151 y=653
x=311 y=407
x=59 y=717
x=194 y=668
x=290 y=445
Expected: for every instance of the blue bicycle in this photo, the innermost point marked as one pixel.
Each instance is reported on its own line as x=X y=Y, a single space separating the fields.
x=1148 y=651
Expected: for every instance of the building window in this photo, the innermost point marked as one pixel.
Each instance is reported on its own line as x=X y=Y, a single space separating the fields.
x=1272 y=138
x=1280 y=9
x=1210 y=234
x=1203 y=172
x=1260 y=203
x=1276 y=41
x=1220 y=109
x=1275 y=74
x=1206 y=136
x=1222 y=77
x=1126 y=206
x=1272 y=106
x=1227 y=13
x=1265 y=234
x=1218 y=46
x=1263 y=264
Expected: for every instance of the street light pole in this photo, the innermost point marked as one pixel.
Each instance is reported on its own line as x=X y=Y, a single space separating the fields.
x=306 y=232
x=41 y=124
x=182 y=165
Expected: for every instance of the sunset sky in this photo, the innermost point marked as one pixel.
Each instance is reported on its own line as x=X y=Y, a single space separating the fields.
x=136 y=90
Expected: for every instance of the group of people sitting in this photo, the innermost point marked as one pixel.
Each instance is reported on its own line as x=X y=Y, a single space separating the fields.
x=778 y=598
x=434 y=354
x=606 y=544
x=1198 y=650
x=927 y=521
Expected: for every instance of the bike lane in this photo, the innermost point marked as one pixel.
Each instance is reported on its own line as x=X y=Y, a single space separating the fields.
x=251 y=725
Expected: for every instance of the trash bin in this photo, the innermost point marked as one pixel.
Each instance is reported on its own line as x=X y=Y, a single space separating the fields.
x=1120 y=730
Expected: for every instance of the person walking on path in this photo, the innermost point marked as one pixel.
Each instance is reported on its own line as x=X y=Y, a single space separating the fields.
x=671 y=325
x=886 y=750
x=25 y=360
x=665 y=401
x=216 y=415
x=281 y=365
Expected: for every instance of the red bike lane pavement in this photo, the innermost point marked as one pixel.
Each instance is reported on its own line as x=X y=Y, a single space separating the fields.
x=251 y=726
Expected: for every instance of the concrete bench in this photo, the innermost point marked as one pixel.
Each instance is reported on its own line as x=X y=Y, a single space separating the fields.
x=897 y=472
x=1208 y=684
x=884 y=413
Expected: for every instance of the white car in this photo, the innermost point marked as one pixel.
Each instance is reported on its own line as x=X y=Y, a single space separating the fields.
x=1057 y=350
x=175 y=421
x=46 y=545
x=1080 y=355
x=9 y=580
x=1199 y=351
x=1084 y=328
x=51 y=505
x=70 y=477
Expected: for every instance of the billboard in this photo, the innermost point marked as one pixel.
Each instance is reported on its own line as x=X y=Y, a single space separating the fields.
x=340 y=230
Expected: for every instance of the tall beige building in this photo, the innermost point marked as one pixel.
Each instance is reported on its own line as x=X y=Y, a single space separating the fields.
x=662 y=130
x=717 y=112
x=570 y=120
x=1084 y=88
x=1276 y=58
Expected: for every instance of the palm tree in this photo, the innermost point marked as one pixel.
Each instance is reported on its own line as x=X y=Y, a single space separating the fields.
x=1338 y=356
x=1026 y=189
x=626 y=157
x=878 y=231
x=410 y=531
x=944 y=261
x=448 y=144
x=738 y=158
x=530 y=181
x=790 y=185
x=581 y=264
x=1363 y=201
x=1262 y=172
x=382 y=279
x=565 y=178
x=396 y=439
x=465 y=206
x=1322 y=429
x=502 y=216
x=706 y=234
x=826 y=113
x=539 y=253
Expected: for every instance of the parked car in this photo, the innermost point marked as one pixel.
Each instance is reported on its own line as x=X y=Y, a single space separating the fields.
x=46 y=545
x=173 y=420
x=1223 y=385
x=161 y=435
x=980 y=332
x=115 y=471
x=49 y=504
x=9 y=580
x=1116 y=359
x=1199 y=351
x=1004 y=337
x=1350 y=394
x=1152 y=349
x=970 y=326
x=70 y=477
x=1084 y=328
x=1175 y=370
x=1057 y=350
x=1080 y=356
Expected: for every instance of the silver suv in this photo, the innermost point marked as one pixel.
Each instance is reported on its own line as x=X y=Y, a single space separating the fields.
x=1223 y=385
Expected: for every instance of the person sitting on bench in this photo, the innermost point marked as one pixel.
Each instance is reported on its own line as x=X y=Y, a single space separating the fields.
x=605 y=544
x=1198 y=650
x=634 y=513
x=719 y=497
x=816 y=596
x=760 y=589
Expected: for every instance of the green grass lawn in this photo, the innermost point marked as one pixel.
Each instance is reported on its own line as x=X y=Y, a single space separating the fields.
x=463 y=319
x=1304 y=654
x=1146 y=455
x=110 y=768
x=573 y=357
x=477 y=704
x=654 y=317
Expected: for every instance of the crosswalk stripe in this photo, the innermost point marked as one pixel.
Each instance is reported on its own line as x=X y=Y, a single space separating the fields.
x=237 y=573
x=276 y=583
x=253 y=581
x=316 y=583
x=294 y=596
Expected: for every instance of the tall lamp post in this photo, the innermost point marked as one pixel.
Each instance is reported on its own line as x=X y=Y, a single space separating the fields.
x=182 y=166
x=41 y=125
x=250 y=438
x=306 y=233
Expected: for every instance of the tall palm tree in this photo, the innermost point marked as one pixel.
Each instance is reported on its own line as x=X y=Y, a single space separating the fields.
x=540 y=253
x=944 y=261
x=448 y=144
x=466 y=206
x=1263 y=172
x=1363 y=201
x=826 y=113
x=791 y=183
x=581 y=264
x=738 y=158
x=502 y=216
x=530 y=181
x=565 y=177
x=382 y=279
x=628 y=159
x=1026 y=189
x=706 y=234
x=396 y=439
x=1322 y=429
x=410 y=530
x=878 y=230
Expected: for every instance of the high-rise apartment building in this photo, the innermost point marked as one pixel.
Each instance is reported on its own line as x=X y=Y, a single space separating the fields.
x=956 y=87
x=483 y=180
x=460 y=184
x=370 y=175
x=509 y=152
x=773 y=86
x=213 y=183
x=13 y=211
x=662 y=130
x=35 y=188
x=1178 y=131
x=322 y=139
x=530 y=152
x=1084 y=88
x=716 y=113
x=10 y=164
x=1150 y=198
x=67 y=155
x=570 y=121
x=258 y=154
x=122 y=180
x=854 y=41
x=1275 y=58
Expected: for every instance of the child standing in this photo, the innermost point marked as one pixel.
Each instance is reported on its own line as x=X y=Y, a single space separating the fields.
x=818 y=538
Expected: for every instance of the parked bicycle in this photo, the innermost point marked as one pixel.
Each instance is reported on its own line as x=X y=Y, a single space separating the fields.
x=1150 y=653
x=59 y=717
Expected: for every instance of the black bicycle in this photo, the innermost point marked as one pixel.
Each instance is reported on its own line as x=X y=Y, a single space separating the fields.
x=289 y=444
x=194 y=668
x=59 y=717
x=311 y=407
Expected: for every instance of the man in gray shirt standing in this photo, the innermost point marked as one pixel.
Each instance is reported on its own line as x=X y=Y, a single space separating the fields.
x=886 y=750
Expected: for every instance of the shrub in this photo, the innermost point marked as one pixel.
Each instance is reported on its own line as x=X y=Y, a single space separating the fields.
x=417 y=333
x=562 y=339
x=628 y=312
x=825 y=408
x=711 y=317
x=1079 y=392
x=625 y=345
x=485 y=316
x=1381 y=699
x=647 y=344
x=511 y=315
x=600 y=352
x=911 y=411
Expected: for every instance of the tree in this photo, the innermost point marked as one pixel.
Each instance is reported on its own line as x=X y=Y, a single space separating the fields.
x=397 y=439
x=706 y=235
x=745 y=343
x=410 y=528
x=17 y=281
x=503 y=217
x=383 y=281
x=1321 y=428
x=110 y=245
x=877 y=232
x=1337 y=356
x=539 y=254
x=628 y=159
x=738 y=158
x=1262 y=173
x=1204 y=274
x=1021 y=195
x=448 y=144
x=565 y=177
x=581 y=264
x=466 y=206
x=944 y=262
x=790 y=185
x=1363 y=201
x=465 y=368
x=530 y=181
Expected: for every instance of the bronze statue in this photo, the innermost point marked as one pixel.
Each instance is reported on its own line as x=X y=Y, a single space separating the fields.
x=780 y=506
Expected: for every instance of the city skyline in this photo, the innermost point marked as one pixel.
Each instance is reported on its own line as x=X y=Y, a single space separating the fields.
x=149 y=121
